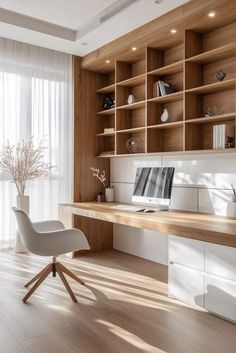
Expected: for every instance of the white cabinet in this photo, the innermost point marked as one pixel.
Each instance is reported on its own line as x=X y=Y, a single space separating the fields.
x=203 y=274
x=186 y=284
x=187 y=252
x=220 y=296
x=220 y=260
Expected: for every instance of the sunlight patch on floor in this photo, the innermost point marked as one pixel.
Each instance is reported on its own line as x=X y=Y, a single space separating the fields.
x=129 y=337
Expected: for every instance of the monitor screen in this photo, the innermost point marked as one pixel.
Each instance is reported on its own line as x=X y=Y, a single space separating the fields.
x=153 y=185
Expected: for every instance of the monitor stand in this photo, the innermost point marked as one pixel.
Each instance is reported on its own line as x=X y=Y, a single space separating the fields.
x=150 y=210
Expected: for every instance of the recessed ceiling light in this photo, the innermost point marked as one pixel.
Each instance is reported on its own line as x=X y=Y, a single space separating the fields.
x=173 y=31
x=211 y=14
x=107 y=61
x=84 y=43
x=134 y=48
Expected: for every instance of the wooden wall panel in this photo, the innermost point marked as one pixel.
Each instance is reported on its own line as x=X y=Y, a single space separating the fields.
x=85 y=187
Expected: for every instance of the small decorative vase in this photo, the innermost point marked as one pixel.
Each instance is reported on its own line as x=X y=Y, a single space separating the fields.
x=133 y=145
x=231 y=207
x=131 y=99
x=100 y=197
x=220 y=75
x=165 y=116
x=109 y=194
x=23 y=204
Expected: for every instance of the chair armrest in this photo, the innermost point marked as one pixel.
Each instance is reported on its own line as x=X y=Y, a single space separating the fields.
x=48 y=226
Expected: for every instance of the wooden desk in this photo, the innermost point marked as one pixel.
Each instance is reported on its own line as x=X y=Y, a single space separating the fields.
x=205 y=227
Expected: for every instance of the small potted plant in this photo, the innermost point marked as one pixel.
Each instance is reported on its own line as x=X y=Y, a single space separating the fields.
x=101 y=176
x=23 y=163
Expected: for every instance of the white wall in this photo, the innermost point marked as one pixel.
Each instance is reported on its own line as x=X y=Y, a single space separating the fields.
x=201 y=184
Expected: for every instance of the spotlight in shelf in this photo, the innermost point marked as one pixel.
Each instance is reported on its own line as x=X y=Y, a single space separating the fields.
x=211 y=14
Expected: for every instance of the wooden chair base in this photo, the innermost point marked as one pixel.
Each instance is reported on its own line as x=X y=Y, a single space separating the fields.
x=54 y=268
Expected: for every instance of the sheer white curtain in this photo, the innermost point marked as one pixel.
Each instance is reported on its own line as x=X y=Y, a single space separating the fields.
x=36 y=100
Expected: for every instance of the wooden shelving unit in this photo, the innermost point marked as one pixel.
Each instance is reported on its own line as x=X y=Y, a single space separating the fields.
x=189 y=64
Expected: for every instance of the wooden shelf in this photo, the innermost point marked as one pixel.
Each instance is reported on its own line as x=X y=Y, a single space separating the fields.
x=106 y=155
x=107 y=134
x=215 y=118
x=137 y=129
x=213 y=87
x=214 y=54
x=166 y=125
x=107 y=112
x=168 y=70
x=174 y=153
x=133 y=81
x=107 y=89
x=206 y=50
x=136 y=105
x=173 y=97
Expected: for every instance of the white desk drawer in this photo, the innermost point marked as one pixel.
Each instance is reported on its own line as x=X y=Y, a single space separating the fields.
x=220 y=297
x=188 y=252
x=186 y=284
x=220 y=260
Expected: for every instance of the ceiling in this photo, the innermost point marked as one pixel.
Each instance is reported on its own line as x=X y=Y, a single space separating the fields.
x=74 y=26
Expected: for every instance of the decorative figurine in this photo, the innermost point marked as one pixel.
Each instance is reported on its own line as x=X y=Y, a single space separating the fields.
x=109 y=102
x=220 y=75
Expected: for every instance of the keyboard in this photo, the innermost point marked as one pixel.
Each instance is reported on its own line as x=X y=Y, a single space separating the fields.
x=128 y=208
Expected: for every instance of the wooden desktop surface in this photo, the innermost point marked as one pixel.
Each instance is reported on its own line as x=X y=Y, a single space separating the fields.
x=205 y=227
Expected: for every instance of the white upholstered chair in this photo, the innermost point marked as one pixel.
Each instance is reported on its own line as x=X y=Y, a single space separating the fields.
x=50 y=238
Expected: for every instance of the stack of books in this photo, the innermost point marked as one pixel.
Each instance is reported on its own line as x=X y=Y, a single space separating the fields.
x=106 y=153
x=223 y=136
x=109 y=129
x=162 y=88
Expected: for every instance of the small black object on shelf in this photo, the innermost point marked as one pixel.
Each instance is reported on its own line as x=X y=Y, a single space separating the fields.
x=109 y=102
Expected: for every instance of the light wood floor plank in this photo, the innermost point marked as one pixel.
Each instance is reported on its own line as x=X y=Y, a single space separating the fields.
x=123 y=308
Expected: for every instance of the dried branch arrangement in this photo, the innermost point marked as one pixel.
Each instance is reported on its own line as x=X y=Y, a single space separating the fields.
x=100 y=175
x=23 y=163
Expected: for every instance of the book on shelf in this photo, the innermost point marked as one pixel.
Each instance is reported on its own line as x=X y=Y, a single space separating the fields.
x=155 y=89
x=223 y=136
x=108 y=130
x=106 y=153
x=162 y=88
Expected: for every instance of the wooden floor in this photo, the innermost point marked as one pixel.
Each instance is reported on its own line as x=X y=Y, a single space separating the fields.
x=124 y=308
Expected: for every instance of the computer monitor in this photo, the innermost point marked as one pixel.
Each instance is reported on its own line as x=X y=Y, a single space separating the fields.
x=153 y=186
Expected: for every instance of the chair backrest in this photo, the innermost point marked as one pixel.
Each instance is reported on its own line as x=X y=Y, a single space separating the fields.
x=26 y=230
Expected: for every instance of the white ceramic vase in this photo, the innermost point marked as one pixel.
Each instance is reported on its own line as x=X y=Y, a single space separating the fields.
x=109 y=194
x=23 y=204
x=231 y=208
x=131 y=99
x=165 y=116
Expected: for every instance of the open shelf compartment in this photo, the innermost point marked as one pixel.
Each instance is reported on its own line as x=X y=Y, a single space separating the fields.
x=107 y=82
x=105 y=145
x=159 y=57
x=217 y=103
x=165 y=139
x=138 y=138
x=130 y=119
x=199 y=42
x=155 y=110
x=130 y=69
x=199 y=136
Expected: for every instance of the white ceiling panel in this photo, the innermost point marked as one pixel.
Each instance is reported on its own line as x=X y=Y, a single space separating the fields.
x=81 y=16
